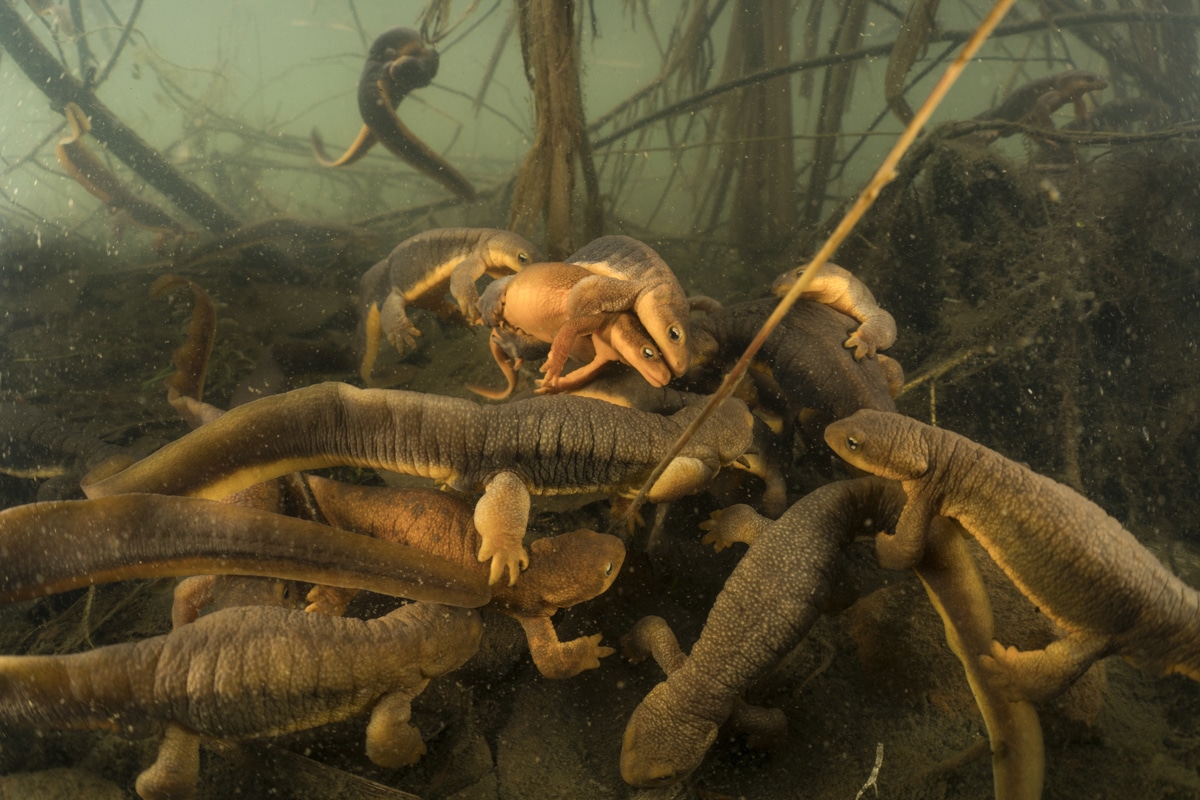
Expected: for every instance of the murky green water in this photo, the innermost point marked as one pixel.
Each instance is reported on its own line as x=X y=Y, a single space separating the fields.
x=1044 y=282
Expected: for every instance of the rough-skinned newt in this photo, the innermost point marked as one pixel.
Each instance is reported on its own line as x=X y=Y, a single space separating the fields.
x=91 y=173
x=398 y=62
x=840 y=290
x=629 y=276
x=420 y=270
x=545 y=445
x=564 y=570
x=59 y=545
x=1034 y=102
x=534 y=302
x=767 y=606
x=804 y=355
x=242 y=673
x=1077 y=564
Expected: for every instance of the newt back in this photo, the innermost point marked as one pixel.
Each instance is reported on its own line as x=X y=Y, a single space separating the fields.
x=1074 y=561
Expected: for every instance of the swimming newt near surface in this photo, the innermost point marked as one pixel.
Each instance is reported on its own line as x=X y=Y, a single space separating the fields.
x=1034 y=102
x=1071 y=559
x=398 y=62
x=91 y=173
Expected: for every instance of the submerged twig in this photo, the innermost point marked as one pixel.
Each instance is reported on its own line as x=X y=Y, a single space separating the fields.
x=116 y=53
x=490 y=71
x=49 y=75
x=1015 y=29
x=884 y=175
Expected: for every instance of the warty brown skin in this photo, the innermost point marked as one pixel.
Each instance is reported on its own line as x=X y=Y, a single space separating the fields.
x=243 y=673
x=421 y=270
x=767 y=606
x=564 y=570
x=805 y=355
x=1076 y=563
x=56 y=546
x=545 y=445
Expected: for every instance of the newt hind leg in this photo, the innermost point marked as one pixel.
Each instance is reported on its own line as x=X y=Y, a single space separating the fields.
x=1042 y=675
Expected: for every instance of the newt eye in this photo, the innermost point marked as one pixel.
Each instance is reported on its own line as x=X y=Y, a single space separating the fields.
x=608 y=569
x=648 y=353
x=852 y=444
x=523 y=258
x=675 y=332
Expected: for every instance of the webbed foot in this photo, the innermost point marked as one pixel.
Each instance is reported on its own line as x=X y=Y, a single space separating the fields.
x=329 y=600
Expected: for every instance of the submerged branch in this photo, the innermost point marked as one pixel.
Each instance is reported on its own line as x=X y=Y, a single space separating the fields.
x=49 y=75
x=955 y=37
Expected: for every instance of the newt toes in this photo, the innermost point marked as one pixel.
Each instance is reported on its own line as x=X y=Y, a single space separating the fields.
x=1072 y=560
x=246 y=672
x=768 y=604
x=564 y=570
x=628 y=275
x=606 y=338
x=420 y=271
x=840 y=290
x=398 y=62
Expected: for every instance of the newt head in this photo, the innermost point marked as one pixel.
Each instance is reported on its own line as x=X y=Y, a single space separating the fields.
x=784 y=283
x=398 y=62
x=574 y=567
x=511 y=251
x=885 y=444
x=663 y=743
x=77 y=120
x=667 y=323
x=634 y=347
x=396 y=43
